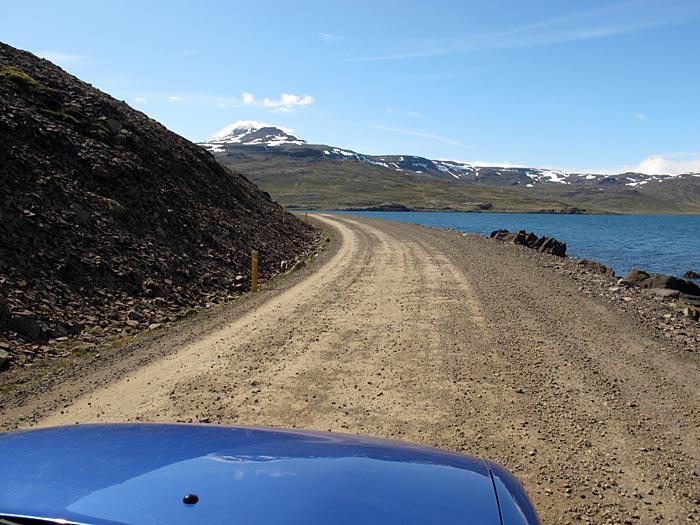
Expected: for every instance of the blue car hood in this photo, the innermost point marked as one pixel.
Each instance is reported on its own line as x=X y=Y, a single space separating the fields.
x=141 y=473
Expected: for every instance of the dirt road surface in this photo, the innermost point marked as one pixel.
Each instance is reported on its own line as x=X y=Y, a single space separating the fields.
x=438 y=338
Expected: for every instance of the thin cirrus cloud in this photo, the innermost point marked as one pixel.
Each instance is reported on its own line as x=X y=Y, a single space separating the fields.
x=641 y=116
x=227 y=102
x=330 y=37
x=625 y=17
x=418 y=134
x=61 y=58
x=415 y=114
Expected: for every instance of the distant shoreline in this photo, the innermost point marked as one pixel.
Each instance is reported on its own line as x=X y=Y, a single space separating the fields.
x=294 y=209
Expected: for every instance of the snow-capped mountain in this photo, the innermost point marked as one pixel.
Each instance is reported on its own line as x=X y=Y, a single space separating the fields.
x=277 y=140
x=251 y=133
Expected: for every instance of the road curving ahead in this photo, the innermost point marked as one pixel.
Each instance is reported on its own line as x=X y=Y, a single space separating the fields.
x=438 y=338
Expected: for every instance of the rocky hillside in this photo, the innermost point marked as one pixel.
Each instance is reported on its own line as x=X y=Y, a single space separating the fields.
x=110 y=222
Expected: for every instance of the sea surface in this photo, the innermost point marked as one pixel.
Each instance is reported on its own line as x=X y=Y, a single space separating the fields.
x=668 y=244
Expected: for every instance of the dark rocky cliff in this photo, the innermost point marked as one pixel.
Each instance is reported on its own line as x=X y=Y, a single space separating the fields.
x=108 y=220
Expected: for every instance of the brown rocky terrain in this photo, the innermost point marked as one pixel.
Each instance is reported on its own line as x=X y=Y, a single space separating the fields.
x=110 y=222
x=586 y=389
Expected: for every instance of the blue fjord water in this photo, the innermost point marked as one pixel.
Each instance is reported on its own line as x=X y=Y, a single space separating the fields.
x=667 y=244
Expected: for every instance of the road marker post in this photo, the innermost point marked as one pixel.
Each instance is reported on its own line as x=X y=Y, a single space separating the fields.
x=254 y=272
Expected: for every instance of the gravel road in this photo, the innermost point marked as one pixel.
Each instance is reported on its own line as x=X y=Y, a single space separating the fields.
x=434 y=337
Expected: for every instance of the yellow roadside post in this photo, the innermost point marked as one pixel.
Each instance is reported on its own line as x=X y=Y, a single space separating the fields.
x=254 y=272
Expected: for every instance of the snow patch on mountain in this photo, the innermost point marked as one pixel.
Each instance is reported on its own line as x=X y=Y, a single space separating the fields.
x=553 y=176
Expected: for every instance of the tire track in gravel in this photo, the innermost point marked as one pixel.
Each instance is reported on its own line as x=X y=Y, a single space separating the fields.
x=376 y=363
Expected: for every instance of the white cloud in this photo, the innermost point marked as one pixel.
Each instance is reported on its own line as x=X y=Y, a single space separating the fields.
x=330 y=37
x=414 y=114
x=419 y=134
x=667 y=164
x=391 y=110
x=140 y=100
x=287 y=102
x=61 y=58
x=175 y=98
x=227 y=102
x=641 y=116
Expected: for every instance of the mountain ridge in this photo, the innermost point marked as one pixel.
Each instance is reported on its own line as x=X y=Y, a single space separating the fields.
x=251 y=133
x=303 y=175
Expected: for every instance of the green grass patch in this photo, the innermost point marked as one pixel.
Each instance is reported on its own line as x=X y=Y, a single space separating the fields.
x=61 y=116
x=18 y=76
x=6 y=390
x=118 y=342
x=81 y=351
x=114 y=345
x=26 y=83
x=68 y=345
x=30 y=88
x=61 y=363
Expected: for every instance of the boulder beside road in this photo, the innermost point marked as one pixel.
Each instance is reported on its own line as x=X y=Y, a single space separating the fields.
x=645 y=280
x=596 y=267
x=541 y=244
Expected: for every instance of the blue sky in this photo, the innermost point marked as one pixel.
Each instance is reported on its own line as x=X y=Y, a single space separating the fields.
x=582 y=85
